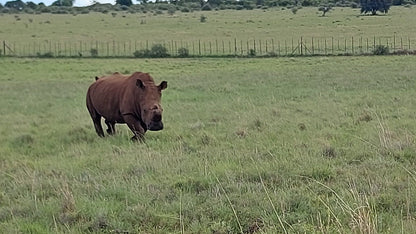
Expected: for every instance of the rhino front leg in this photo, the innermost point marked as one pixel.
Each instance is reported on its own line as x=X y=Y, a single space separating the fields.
x=136 y=127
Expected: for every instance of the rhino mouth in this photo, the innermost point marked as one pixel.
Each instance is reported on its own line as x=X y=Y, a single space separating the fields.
x=155 y=126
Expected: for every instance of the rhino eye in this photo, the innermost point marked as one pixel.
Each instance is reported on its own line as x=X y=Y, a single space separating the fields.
x=154 y=108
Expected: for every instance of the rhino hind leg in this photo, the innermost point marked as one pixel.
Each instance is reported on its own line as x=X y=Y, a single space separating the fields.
x=96 y=118
x=98 y=127
x=111 y=127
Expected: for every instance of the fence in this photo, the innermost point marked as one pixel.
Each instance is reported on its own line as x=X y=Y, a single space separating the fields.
x=233 y=47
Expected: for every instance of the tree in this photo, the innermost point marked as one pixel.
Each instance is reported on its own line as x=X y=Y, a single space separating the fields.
x=375 y=5
x=31 y=5
x=325 y=9
x=67 y=3
x=124 y=2
x=18 y=5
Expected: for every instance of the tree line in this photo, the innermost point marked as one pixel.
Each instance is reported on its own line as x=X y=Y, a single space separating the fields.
x=170 y=6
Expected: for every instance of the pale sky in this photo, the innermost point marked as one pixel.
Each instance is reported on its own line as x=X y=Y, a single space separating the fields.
x=76 y=3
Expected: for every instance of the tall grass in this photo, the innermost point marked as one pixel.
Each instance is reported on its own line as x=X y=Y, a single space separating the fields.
x=290 y=145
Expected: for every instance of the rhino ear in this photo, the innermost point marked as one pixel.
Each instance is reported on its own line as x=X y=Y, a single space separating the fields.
x=139 y=84
x=163 y=85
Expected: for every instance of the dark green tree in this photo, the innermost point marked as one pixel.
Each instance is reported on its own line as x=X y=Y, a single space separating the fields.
x=67 y=3
x=325 y=9
x=124 y=2
x=375 y=5
x=18 y=5
x=31 y=5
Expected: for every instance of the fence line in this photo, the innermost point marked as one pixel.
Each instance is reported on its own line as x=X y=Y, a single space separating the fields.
x=232 y=47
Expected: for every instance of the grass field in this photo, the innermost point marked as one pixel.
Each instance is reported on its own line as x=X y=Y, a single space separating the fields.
x=296 y=145
x=274 y=23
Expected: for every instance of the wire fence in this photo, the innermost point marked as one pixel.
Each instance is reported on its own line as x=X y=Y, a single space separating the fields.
x=232 y=47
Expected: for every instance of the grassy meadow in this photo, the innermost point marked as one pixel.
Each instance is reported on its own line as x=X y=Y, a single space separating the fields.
x=288 y=145
x=274 y=23
x=271 y=145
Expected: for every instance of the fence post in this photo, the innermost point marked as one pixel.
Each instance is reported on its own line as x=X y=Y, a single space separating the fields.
x=266 y=46
x=199 y=47
x=313 y=50
x=401 y=43
x=235 y=46
x=301 y=45
x=4 y=48
x=260 y=46
x=278 y=46
x=241 y=46
x=409 y=42
x=285 y=48
x=248 y=46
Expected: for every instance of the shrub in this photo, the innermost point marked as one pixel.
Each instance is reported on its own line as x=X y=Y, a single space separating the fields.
x=94 y=52
x=294 y=10
x=141 y=53
x=381 y=50
x=183 y=52
x=159 y=51
x=171 y=11
x=203 y=19
x=45 y=55
x=252 y=52
x=185 y=9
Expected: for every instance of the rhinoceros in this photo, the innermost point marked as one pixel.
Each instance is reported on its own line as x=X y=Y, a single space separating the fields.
x=131 y=99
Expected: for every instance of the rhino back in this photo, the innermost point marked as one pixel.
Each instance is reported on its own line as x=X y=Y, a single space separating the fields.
x=106 y=95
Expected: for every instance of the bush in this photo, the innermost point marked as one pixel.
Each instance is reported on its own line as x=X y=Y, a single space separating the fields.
x=185 y=9
x=157 y=51
x=144 y=53
x=183 y=52
x=94 y=52
x=171 y=11
x=45 y=55
x=381 y=50
x=203 y=18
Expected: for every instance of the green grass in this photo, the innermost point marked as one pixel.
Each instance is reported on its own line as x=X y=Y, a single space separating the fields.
x=298 y=145
x=276 y=31
x=274 y=23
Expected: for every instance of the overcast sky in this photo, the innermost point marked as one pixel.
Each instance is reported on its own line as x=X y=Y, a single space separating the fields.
x=76 y=3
